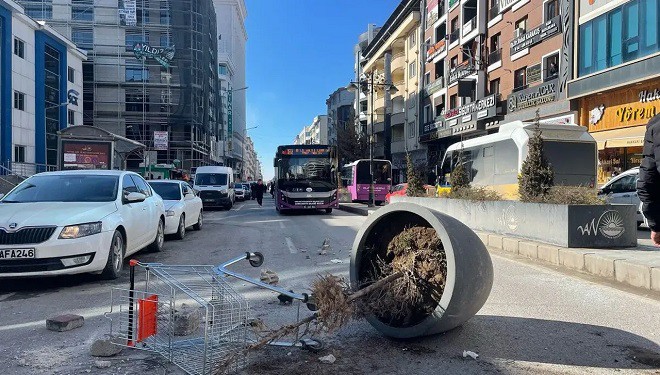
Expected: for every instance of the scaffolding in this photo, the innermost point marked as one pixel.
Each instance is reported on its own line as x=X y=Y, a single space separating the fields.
x=152 y=66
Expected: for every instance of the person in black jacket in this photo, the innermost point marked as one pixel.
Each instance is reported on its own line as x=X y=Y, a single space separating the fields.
x=259 y=190
x=648 y=185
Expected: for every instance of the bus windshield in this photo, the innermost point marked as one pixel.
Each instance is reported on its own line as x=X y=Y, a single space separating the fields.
x=295 y=171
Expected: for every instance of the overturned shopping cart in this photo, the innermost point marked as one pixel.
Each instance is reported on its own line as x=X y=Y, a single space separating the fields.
x=192 y=316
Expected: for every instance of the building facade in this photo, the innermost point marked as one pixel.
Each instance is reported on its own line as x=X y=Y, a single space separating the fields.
x=40 y=90
x=151 y=72
x=231 y=39
x=360 y=104
x=251 y=170
x=393 y=64
x=340 y=112
x=617 y=85
x=314 y=134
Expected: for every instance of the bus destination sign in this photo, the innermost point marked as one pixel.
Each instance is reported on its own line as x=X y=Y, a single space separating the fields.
x=305 y=151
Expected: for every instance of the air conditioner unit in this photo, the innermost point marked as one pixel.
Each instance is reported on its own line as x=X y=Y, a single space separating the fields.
x=518 y=32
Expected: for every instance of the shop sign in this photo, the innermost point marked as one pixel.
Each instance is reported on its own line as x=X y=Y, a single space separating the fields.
x=435 y=50
x=533 y=96
x=452 y=3
x=534 y=73
x=460 y=71
x=436 y=134
x=588 y=6
x=621 y=108
x=477 y=110
x=230 y=119
x=128 y=13
x=536 y=35
x=161 y=140
x=86 y=155
x=163 y=55
x=432 y=16
x=72 y=97
x=506 y=4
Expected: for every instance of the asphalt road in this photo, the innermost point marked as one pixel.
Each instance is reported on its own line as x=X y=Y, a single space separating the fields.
x=537 y=320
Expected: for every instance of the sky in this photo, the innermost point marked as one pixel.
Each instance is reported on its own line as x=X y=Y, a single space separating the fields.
x=298 y=53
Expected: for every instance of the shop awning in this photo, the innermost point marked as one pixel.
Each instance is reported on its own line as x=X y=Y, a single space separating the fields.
x=627 y=137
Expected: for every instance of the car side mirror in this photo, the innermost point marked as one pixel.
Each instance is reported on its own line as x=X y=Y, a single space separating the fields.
x=134 y=197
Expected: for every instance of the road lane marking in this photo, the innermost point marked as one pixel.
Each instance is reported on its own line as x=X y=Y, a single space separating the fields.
x=282 y=225
x=292 y=247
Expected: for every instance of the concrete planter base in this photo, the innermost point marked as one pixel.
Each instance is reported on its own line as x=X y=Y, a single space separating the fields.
x=604 y=226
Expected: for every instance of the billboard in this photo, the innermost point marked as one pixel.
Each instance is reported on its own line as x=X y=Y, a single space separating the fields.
x=161 y=140
x=86 y=155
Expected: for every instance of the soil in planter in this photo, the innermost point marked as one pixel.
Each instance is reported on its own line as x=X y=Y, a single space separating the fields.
x=418 y=253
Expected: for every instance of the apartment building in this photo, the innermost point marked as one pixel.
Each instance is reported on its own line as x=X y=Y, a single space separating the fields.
x=617 y=83
x=360 y=104
x=251 y=168
x=40 y=90
x=340 y=111
x=314 y=134
x=391 y=78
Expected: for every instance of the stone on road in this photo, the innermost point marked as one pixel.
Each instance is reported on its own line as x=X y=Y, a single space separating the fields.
x=105 y=348
x=66 y=322
x=102 y=364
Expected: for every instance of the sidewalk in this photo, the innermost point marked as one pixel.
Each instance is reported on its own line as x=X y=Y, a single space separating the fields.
x=638 y=267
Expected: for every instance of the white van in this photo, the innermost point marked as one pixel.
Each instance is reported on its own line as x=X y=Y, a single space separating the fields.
x=215 y=186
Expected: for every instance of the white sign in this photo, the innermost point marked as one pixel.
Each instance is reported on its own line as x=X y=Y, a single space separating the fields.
x=69 y=158
x=128 y=14
x=161 y=140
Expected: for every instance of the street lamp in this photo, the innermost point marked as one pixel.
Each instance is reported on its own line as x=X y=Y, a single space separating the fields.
x=354 y=87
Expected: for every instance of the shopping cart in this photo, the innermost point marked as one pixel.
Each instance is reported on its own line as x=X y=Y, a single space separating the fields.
x=193 y=317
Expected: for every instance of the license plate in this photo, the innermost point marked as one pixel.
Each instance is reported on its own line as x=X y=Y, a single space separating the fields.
x=16 y=253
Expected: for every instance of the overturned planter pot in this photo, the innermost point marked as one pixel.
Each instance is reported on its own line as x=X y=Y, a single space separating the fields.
x=469 y=267
x=572 y=226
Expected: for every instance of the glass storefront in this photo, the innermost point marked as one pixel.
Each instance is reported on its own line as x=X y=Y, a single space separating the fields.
x=614 y=161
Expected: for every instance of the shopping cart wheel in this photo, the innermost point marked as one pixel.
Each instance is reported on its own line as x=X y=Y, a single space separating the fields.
x=313 y=345
x=256 y=259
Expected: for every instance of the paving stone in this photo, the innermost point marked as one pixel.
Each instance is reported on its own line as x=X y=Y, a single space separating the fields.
x=548 y=253
x=634 y=274
x=511 y=244
x=528 y=249
x=495 y=241
x=65 y=322
x=105 y=348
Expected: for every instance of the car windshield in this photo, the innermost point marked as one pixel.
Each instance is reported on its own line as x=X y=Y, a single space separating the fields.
x=167 y=191
x=65 y=188
x=213 y=179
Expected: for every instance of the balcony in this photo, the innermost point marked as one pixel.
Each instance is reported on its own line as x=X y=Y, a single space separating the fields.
x=398 y=118
x=495 y=56
x=494 y=11
x=435 y=86
x=435 y=50
x=398 y=61
x=453 y=37
x=470 y=25
x=398 y=146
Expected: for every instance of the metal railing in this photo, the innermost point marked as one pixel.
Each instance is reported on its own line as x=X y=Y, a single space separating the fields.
x=25 y=170
x=495 y=56
x=454 y=35
x=493 y=11
x=470 y=25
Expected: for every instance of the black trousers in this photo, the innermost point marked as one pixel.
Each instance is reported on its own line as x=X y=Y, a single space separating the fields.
x=260 y=199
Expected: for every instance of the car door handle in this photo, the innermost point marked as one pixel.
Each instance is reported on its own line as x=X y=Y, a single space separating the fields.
x=144 y=208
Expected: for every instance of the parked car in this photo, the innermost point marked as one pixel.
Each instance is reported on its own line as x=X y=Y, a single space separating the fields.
x=401 y=190
x=215 y=186
x=73 y=222
x=622 y=189
x=183 y=208
x=239 y=190
x=247 y=189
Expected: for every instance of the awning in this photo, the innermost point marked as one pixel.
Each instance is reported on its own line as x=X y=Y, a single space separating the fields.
x=626 y=137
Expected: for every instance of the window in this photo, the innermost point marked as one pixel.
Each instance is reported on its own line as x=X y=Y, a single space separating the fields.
x=136 y=73
x=453 y=62
x=439 y=109
x=494 y=86
x=519 y=79
x=427 y=114
x=82 y=13
x=135 y=102
x=222 y=69
x=83 y=37
x=133 y=38
x=142 y=185
x=427 y=78
x=19 y=100
x=454 y=24
x=412 y=69
x=19 y=154
x=625 y=184
x=411 y=129
x=551 y=67
x=440 y=69
x=551 y=9
x=71 y=117
x=440 y=32
x=412 y=39
x=127 y=185
x=19 y=48
x=453 y=101
x=495 y=54
x=520 y=27
x=71 y=75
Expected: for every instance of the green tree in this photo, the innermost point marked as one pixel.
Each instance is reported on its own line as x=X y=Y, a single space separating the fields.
x=351 y=145
x=536 y=177
x=415 y=183
x=459 y=175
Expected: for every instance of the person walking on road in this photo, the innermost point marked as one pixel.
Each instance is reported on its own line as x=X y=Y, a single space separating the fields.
x=259 y=190
x=648 y=185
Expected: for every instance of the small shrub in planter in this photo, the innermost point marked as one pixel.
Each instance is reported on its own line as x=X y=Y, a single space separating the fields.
x=472 y=194
x=415 y=184
x=459 y=176
x=536 y=177
x=571 y=195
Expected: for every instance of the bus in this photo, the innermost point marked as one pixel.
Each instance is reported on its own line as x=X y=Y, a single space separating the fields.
x=306 y=178
x=356 y=175
x=494 y=161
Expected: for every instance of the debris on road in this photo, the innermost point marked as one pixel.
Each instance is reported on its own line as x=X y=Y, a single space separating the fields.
x=65 y=322
x=336 y=261
x=325 y=247
x=328 y=359
x=269 y=277
x=284 y=299
x=186 y=320
x=471 y=354
x=102 y=364
x=105 y=348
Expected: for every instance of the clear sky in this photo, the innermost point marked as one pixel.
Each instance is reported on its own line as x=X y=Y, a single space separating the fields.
x=298 y=53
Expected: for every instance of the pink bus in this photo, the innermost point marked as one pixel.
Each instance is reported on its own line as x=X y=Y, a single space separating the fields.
x=355 y=177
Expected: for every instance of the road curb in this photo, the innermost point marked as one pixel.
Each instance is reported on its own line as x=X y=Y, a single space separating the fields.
x=354 y=210
x=617 y=268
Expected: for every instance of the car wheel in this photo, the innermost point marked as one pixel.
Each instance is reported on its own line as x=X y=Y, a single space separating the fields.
x=200 y=221
x=230 y=205
x=181 y=232
x=157 y=245
x=115 y=258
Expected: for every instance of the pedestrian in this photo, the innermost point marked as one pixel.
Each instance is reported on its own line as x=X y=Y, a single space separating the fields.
x=272 y=189
x=648 y=185
x=259 y=190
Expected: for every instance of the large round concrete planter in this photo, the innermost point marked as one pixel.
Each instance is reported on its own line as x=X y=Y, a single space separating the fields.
x=469 y=267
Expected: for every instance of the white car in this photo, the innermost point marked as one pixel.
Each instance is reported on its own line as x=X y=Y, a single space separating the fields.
x=622 y=189
x=73 y=222
x=183 y=208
